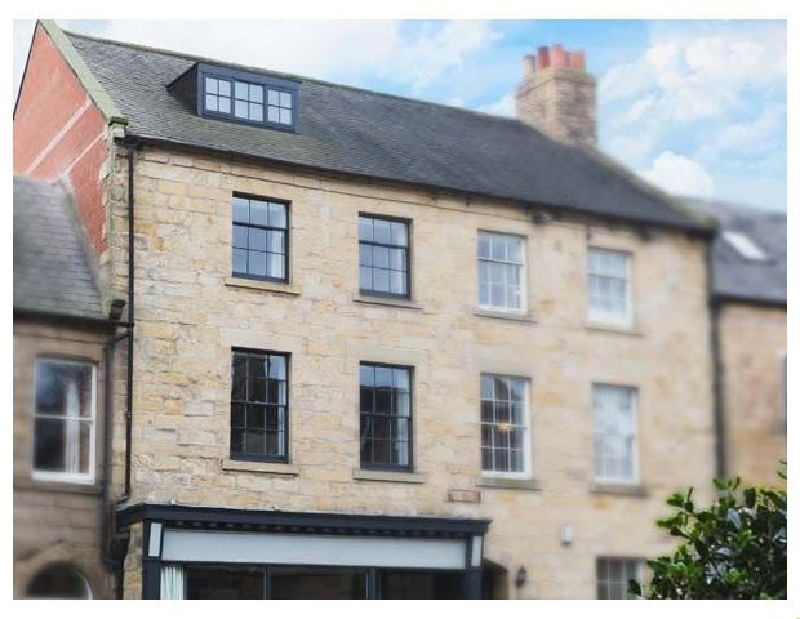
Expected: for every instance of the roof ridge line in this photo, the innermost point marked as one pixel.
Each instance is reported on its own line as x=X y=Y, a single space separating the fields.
x=295 y=76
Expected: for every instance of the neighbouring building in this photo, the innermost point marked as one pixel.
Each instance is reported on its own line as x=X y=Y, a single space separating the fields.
x=60 y=338
x=382 y=348
x=749 y=325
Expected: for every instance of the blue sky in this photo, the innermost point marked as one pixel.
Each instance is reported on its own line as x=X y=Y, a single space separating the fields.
x=698 y=107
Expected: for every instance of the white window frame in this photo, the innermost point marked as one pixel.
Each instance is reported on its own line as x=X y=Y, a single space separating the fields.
x=523 y=277
x=526 y=443
x=64 y=476
x=634 y=479
x=639 y=571
x=600 y=316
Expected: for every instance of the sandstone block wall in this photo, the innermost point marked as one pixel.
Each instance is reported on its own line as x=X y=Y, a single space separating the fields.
x=189 y=314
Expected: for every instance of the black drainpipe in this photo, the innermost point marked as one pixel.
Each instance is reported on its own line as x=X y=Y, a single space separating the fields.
x=718 y=395
x=118 y=545
x=109 y=559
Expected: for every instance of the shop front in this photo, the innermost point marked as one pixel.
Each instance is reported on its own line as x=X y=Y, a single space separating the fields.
x=216 y=553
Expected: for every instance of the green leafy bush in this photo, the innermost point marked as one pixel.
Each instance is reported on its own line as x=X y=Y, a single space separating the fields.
x=734 y=550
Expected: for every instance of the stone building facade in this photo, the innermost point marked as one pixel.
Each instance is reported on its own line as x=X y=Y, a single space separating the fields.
x=441 y=525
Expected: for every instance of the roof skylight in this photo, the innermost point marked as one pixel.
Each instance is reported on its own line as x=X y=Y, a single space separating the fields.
x=744 y=245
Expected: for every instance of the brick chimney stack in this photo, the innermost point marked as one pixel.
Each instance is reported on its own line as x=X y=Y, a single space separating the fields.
x=557 y=95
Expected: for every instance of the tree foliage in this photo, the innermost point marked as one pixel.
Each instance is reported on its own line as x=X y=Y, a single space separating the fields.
x=733 y=550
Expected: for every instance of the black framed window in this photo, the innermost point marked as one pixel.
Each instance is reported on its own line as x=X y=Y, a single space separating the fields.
x=383 y=256
x=260 y=239
x=259 y=405
x=246 y=97
x=386 y=432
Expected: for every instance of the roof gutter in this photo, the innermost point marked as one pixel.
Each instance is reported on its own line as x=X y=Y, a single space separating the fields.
x=68 y=319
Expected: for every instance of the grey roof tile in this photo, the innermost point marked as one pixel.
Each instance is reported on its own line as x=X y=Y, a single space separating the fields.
x=736 y=276
x=350 y=130
x=51 y=270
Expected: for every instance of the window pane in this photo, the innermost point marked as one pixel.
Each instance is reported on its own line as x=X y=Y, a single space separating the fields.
x=257 y=263
x=254 y=442
x=256 y=112
x=237 y=415
x=380 y=428
x=487 y=387
x=256 y=93
x=286 y=117
x=237 y=441
x=224 y=87
x=515 y=249
x=211 y=85
x=380 y=280
x=240 y=109
x=224 y=104
x=402 y=404
x=49 y=445
x=239 y=239
x=380 y=257
x=211 y=103
x=286 y=99
x=401 y=379
x=498 y=247
x=365 y=254
x=397 y=259
x=273 y=115
x=383 y=401
x=483 y=295
x=399 y=233
x=239 y=379
x=241 y=209
x=257 y=239
x=241 y=90
x=276 y=266
x=382 y=231
x=258 y=212
x=484 y=245
x=277 y=215
x=272 y=97
x=383 y=377
x=277 y=367
x=365 y=278
x=364 y=229
x=256 y=417
x=397 y=282
x=367 y=375
x=239 y=261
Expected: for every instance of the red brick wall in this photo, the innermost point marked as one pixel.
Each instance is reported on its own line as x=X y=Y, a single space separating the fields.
x=58 y=131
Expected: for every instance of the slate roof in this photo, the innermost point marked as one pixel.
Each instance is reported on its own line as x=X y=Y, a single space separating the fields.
x=349 y=130
x=736 y=277
x=51 y=270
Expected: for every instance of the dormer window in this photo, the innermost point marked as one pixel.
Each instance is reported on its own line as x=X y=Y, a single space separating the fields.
x=243 y=97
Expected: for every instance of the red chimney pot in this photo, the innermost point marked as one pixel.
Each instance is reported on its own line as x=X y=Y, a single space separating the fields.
x=543 y=58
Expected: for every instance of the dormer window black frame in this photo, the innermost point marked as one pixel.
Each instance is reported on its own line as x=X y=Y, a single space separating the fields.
x=246 y=98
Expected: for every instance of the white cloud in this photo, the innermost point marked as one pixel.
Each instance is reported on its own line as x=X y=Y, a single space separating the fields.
x=759 y=136
x=504 y=106
x=702 y=74
x=329 y=49
x=638 y=109
x=680 y=175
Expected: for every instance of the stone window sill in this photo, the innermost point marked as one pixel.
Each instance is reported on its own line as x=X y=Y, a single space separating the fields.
x=272 y=468
x=515 y=317
x=634 y=490
x=387 y=302
x=391 y=476
x=611 y=328
x=255 y=284
x=57 y=486
x=509 y=483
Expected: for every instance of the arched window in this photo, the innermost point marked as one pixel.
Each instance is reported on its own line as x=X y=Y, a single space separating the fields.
x=59 y=581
